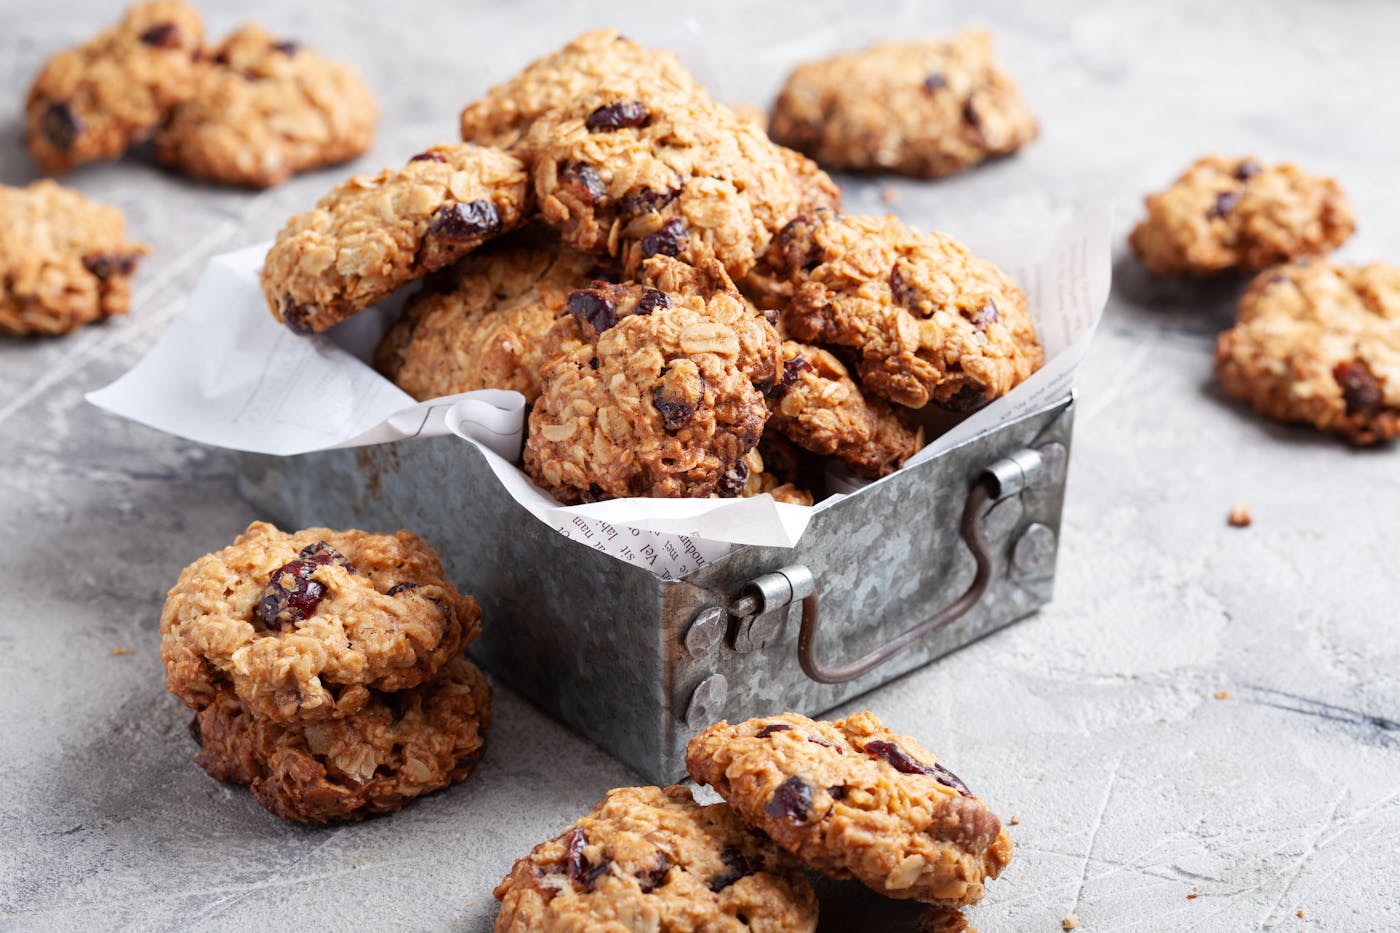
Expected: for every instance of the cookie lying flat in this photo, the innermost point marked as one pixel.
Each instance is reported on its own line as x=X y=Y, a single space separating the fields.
x=931 y=321
x=852 y=799
x=99 y=99
x=918 y=108
x=503 y=115
x=265 y=110
x=649 y=858
x=632 y=173
x=1319 y=343
x=397 y=747
x=817 y=406
x=482 y=323
x=657 y=404
x=304 y=625
x=64 y=260
x=376 y=233
x=1224 y=214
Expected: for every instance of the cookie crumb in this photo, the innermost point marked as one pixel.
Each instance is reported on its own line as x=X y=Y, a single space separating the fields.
x=1163 y=719
x=1300 y=914
x=1193 y=895
x=117 y=652
x=1015 y=821
x=1239 y=516
x=1070 y=922
x=888 y=194
x=1222 y=694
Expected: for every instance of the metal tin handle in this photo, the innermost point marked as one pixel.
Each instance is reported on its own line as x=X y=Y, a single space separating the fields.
x=1002 y=479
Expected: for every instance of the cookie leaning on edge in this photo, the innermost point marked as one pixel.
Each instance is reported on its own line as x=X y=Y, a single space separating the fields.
x=64 y=260
x=853 y=799
x=373 y=234
x=652 y=858
x=1319 y=342
x=398 y=747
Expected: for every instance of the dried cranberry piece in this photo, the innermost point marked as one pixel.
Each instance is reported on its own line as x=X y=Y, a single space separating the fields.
x=768 y=730
x=291 y=596
x=985 y=315
x=905 y=295
x=583 y=178
x=1248 y=169
x=162 y=36
x=902 y=763
x=648 y=201
x=970 y=114
x=592 y=311
x=652 y=878
x=594 y=493
x=593 y=363
x=968 y=398
x=948 y=779
x=458 y=221
x=1360 y=390
x=429 y=157
x=107 y=265
x=733 y=480
x=737 y=865
x=674 y=415
x=594 y=873
x=297 y=317
x=791 y=801
x=398 y=588
x=287 y=47
x=323 y=554
x=815 y=740
x=60 y=125
x=670 y=240
x=1225 y=202
x=795 y=248
x=791 y=367
x=575 y=864
x=621 y=115
x=652 y=300
x=935 y=82
x=838 y=791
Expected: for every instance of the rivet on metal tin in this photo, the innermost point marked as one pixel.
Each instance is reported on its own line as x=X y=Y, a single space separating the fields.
x=705 y=632
x=1034 y=553
x=707 y=701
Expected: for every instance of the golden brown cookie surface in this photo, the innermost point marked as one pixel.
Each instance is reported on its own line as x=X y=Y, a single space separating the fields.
x=651 y=858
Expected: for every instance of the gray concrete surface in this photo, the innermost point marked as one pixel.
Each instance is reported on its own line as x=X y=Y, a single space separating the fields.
x=1144 y=802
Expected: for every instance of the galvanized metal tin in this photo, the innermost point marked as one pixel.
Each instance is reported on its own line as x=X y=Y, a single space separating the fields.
x=639 y=664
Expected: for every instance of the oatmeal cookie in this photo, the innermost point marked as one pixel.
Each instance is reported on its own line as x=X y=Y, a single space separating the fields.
x=97 y=100
x=1318 y=342
x=64 y=260
x=482 y=323
x=374 y=233
x=399 y=746
x=633 y=172
x=554 y=82
x=818 y=406
x=649 y=858
x=931 y=321
x=657 y=404
x=944 y=920
x=1227 y=214
x=265 y=110
x=925 y=109
x=852 y=799
x=304 y=625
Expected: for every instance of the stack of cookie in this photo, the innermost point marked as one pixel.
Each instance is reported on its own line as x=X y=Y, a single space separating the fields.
x=1316 y=341
x=849 y=799
x=253 y=111
x=326 y=670
x=678 y=297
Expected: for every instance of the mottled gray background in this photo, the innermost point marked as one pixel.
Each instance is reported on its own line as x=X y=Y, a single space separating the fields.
x=1094 y=722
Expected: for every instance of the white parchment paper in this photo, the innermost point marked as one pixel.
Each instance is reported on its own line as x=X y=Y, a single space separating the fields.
x=227 y=374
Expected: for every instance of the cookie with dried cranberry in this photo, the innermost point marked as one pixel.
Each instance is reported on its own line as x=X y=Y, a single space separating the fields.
x=373 y=234
x=1225 y=214
x=394 y=749
x=1319 y=343
x=819 y=407
x=65 y=261
x=926 y=109
x=99 y=99
x=482 y=323
x=305 y=626
x=655 y=402
x=635 y=172
x=266 y=109
x=652 y=858
x=555 y=81
x=852 y=799
x=930 y=321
